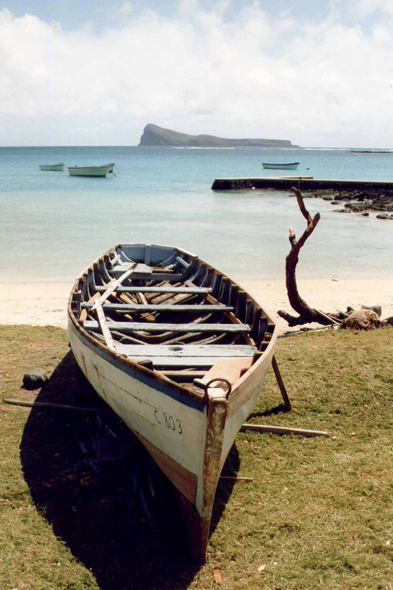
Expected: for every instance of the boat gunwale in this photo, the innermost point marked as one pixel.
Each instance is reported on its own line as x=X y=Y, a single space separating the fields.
x=156 y=375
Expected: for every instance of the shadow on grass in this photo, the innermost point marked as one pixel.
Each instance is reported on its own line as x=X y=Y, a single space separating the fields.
x=270 y=412
x=102 y=494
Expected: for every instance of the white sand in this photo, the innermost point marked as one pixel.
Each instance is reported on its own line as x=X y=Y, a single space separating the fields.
x=45 y=304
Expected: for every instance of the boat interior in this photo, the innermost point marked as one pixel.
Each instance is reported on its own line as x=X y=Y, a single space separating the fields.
x=165 y=309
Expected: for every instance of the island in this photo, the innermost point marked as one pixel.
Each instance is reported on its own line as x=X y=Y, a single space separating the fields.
x=153 y=135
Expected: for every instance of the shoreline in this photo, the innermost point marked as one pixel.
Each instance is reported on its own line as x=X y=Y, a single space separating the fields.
x=45 y=303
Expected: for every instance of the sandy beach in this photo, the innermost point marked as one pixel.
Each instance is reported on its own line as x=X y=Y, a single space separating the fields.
x=45 y=304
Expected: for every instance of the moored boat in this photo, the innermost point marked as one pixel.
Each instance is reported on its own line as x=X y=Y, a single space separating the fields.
x=91 y=170
x=282 y=166
x=180 y=352
x=54 y=167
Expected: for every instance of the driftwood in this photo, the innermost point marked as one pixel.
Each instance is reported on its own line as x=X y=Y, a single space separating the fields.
x=306 y=313
x=366 y=318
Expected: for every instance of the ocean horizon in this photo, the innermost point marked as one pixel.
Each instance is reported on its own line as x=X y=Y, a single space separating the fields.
x=52 y=225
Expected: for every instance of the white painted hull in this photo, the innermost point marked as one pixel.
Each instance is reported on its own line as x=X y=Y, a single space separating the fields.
x=188 y=432
x=289 y=166
x=144 y=409
x=52 y=167
x=100 y=171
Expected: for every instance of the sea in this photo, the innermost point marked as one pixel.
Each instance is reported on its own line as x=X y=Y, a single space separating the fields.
x=52 y=225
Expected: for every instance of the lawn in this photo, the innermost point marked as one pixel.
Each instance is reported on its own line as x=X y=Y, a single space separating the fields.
x=318 y=513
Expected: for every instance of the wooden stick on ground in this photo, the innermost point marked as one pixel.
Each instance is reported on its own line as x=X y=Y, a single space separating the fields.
x=285 y=397
x=47 y=405
x=282 y=430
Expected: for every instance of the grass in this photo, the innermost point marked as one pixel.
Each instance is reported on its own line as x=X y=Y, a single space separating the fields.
x=318 y=514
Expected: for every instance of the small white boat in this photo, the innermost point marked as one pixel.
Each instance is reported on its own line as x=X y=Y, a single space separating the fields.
x=91 y=170
x=54 y=167
x=285 y=166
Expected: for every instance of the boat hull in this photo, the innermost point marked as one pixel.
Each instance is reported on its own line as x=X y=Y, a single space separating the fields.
x=98 y=171
x=52 y=167
x=289 y=166
x=188 y=431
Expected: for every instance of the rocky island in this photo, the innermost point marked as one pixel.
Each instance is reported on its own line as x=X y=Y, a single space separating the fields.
x=153 y=135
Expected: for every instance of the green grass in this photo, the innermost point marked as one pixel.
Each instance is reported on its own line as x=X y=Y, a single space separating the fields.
x=318 y=514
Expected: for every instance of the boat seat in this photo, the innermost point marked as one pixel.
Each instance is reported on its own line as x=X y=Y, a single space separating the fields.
x=177 y=308
x=127 y=327
x=140 y=289
x=178 y=355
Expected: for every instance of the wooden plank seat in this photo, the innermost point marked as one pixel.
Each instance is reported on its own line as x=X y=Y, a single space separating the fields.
x=139 y=307
x=127 y=327
x=185 y=290
x=178 y=355
x=117 y=271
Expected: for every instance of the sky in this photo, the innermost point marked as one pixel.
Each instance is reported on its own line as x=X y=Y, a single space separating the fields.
x=318 y=73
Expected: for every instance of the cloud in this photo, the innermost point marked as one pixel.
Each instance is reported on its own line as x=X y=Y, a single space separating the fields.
x=251 y=76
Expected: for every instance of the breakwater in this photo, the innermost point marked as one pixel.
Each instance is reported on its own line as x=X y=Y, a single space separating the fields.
x=305 y=183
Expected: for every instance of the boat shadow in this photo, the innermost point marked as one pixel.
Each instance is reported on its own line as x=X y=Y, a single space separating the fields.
x=101 y=492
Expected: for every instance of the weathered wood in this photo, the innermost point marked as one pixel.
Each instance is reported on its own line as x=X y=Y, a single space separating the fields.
x=229 y=369
x=112 y=287
x=142 y=307
x=281 y=385
x=154 y=276
x=183 y=375
x=205 y=350
x=192 y=356
x=160 y=289
x=180 y=328
x=282 y=430
x=236 y=478
x=47 y=405
x=104 y=326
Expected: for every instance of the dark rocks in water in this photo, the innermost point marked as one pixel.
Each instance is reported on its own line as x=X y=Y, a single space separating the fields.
x=334 y=202
x=365 y=214
x=34 y=379
x=153 y=135
x=384 y=216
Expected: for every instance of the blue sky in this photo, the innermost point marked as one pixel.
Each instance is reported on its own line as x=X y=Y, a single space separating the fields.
x=95 y=73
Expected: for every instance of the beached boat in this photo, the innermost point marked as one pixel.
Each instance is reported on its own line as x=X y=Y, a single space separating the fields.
x=91 y=170
x=180 y=352
x=54 y=167
x=283 y=166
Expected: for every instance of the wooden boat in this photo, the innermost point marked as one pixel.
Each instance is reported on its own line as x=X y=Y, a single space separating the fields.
x=54 y=167
x=180 y=352
x=91 y=170
x=288 y=166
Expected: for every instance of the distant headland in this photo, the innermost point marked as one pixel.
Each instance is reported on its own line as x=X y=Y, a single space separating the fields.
x=153 y=135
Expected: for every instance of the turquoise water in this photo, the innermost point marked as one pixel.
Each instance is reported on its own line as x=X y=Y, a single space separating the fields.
x=52 y=225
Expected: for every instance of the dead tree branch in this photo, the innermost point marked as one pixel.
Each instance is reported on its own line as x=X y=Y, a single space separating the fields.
x=306 y=313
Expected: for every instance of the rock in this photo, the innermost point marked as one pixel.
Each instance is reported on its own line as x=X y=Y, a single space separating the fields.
x=34 y=379
x=334 y=202
x=383 y=216
x=153 y=135
x=326 y=198
x=365 y=214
